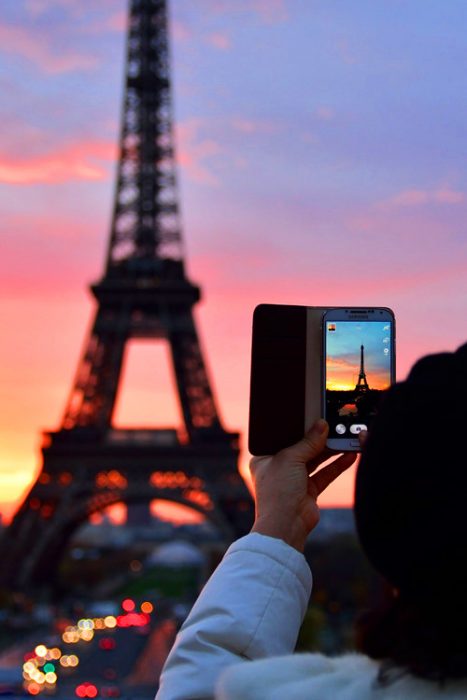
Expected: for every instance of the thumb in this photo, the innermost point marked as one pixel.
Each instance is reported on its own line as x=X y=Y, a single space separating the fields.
x=312 y=443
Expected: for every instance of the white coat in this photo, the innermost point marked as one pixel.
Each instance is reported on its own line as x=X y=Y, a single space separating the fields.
x=237 y=641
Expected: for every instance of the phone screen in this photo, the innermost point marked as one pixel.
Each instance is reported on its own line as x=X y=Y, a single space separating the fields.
x=359 y=357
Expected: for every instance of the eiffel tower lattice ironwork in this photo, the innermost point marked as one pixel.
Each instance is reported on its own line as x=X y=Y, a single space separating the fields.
x=144 y=293
x=362 y=383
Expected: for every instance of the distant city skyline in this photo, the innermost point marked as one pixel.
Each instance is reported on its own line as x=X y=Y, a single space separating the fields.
x=321 y=158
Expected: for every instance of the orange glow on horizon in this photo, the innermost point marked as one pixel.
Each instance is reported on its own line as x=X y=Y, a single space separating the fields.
x=374 y=382
x=176 y=513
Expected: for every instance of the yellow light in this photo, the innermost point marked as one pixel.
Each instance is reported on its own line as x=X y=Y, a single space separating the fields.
x=87 y=635
x=39 y=677
x=73 y=660
x=147 y=607
x=56 y=653
x=40 y=650
x=99 y=623
x=67 y=637
x=50 y=677
x=110 y=621
x=71 y=635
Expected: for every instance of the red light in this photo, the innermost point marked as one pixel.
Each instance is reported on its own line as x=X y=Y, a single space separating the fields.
x=29 y=655
x=128 y=605
x=107 y=643
x=86 y=690
x=34 y=689
x=133 y=620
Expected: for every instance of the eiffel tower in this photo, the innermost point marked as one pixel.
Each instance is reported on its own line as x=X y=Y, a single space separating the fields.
x=144 y=293
x=362 y=384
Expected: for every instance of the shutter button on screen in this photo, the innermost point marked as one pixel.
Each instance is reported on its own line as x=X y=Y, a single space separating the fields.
x=357 y=428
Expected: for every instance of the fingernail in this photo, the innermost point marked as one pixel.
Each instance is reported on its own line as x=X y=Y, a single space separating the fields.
x=320 y=426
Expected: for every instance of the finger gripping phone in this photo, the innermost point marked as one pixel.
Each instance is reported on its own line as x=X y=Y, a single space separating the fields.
x=358 y=366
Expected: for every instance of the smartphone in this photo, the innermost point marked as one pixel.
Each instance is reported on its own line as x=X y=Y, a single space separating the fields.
x=358 y=366
x=285 y=383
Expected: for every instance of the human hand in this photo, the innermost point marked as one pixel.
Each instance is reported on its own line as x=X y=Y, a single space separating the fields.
x=363 y=437
x=287 y=486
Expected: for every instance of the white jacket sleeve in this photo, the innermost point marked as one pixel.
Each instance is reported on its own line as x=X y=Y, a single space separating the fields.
x=251 y=607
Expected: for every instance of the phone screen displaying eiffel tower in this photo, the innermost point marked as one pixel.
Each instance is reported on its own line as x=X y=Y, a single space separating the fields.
x=358 y=369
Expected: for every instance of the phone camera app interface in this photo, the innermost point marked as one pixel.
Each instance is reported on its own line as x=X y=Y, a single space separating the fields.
x=358 y=370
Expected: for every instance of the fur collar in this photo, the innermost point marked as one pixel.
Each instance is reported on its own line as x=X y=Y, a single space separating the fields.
x=318 y=677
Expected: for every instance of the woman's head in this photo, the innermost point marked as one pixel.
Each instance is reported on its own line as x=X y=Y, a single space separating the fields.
x=411 y=515
x=411 y=488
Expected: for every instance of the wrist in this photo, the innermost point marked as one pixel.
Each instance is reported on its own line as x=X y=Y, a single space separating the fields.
x=293 y=534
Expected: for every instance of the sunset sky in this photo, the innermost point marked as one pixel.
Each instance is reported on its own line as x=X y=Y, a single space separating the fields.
x=321 y=148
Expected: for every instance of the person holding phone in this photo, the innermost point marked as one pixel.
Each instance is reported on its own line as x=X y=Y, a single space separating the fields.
x=410 y=495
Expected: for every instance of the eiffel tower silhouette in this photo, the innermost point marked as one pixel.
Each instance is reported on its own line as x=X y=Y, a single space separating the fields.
x=144 y=293
x=362 y=384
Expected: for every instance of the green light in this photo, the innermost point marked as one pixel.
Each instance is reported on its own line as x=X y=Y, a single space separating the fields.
x=48 y=668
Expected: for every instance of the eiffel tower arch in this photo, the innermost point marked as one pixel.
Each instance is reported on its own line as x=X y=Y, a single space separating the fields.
x=144 y=293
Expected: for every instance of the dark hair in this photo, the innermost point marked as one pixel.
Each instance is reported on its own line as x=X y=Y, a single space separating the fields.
x=410 y=504
x=426 y=640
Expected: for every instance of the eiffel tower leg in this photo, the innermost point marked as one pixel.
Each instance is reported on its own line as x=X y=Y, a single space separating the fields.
x=93 y=397
x=199 y=409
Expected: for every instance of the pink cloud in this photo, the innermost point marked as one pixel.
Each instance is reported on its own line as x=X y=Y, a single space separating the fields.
x=346 y=52
x=269 y=11
x=35 y=47
x=193 y=151
x=253 y=126
x=410 y=198
x=325 y=113
x=448 y=196
x=116 y=22
x=70 y=163
x=415 y=197
x=180 y=31
x=76 y=8
x=219 y=40
x=38 y=7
